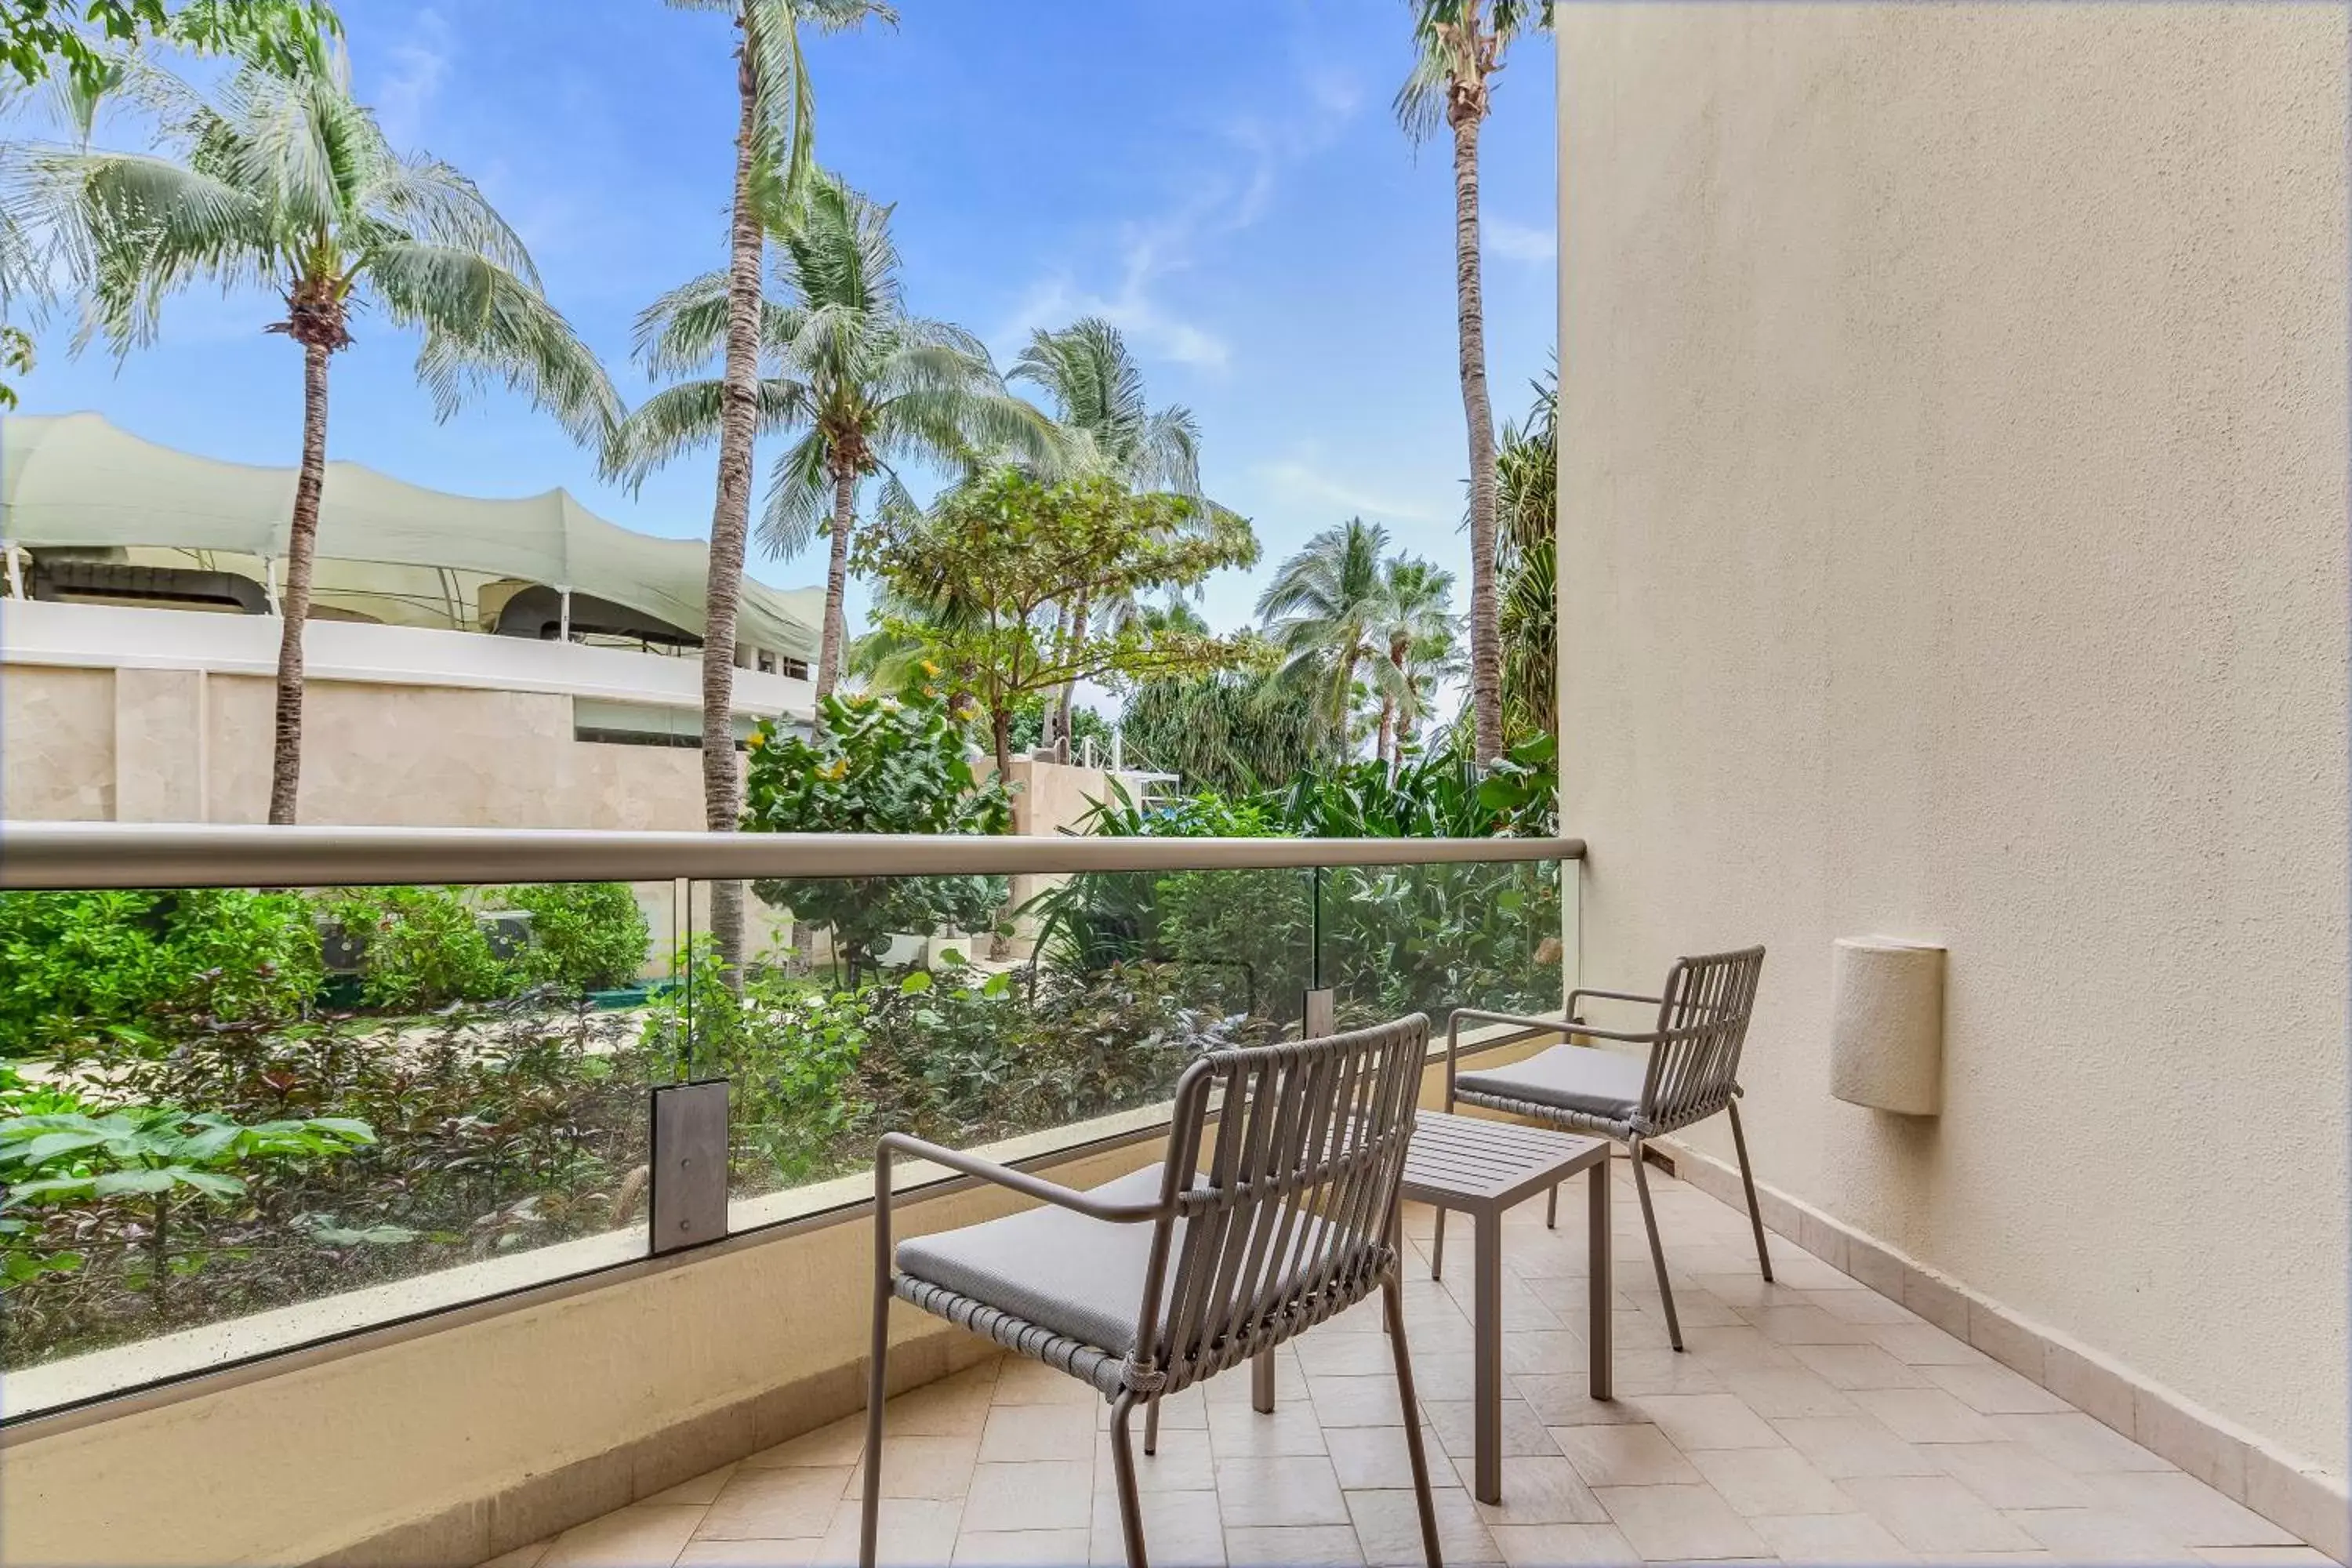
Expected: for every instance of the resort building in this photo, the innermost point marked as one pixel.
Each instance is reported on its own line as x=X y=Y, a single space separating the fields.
x=479 y=663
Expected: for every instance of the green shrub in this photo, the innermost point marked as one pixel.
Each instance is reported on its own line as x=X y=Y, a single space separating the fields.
x=420 y=947
x=82 y=966
x=585 y=936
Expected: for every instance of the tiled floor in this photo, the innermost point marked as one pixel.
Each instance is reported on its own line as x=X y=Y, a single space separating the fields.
x=1809 y=1421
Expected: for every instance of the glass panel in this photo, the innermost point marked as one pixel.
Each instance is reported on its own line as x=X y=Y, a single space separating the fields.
x=312 y=1110
x=1429 y=939
x=975 y=1010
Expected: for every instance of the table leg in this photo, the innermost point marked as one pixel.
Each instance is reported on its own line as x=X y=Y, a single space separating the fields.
x=1604 y=1291
x=1262 y=1382
x=1487 y=1303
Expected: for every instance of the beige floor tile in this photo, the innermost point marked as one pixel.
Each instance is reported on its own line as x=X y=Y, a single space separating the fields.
x=1864 y=1306
x=1293 y=1546
x=954 y=1407
x=1746 y=1289
x=1806 y=1324
x=775 y=1504
x=748 y=1554
x=1840 y=1446
x=1770 y=1481
x=2098 y=1535
x=1020 y=1381
x=1694 y=1421
x=2252 y=1556
x=1279 y=1489
x=1453 y=1375
x=1181 y=1529
x=702 y=1491
x=1851 y=1367
x=1563 y=1400
x=1633 y=1370
x=1717 y=1349
x=1037 y=1494
x=2079 y=1443
x=1188 y=1410
x=1933 y=1515
x=1537 y=1489
x=2010 y=1475
x=922 y=1466
x=1545 y=1350
x=1021 y=1432
x=1523 y=1432
x=1021 y=1549
x=1327 y=1354
x=1991 y=1389
x=1694 y=1307
x=1356 y=1401
x=1925 y=1344
x=912 y=1532
x=1679 y=1522
x=841 y=1442
x=1776 y=1391
x=1547 y=1545
x=1832 y=1538
x=1624 y=1456
x=1388 y=1528
x=1373 y=1458
x=1183 y=1464
x=643 y=1536
x=525 y=1556
x=1236 y=1431
x=2188 y=1510
x=1925 y=1415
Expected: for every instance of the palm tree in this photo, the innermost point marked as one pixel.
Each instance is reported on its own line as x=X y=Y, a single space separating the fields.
x=282 y=179
x=1459 y=45
x=1096 y=391
x=774 y=149
x=866 y=383
x=1415 y=636
x=1323 y=611
x=1528 y=467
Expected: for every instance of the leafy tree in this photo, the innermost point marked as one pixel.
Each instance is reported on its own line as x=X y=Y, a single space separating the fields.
x=284 y=180
x=39 y=37
x=1013 y=553
x=1323 y=610
x=876 y=764
x=1458 y=47
x=1234 y=731
x=1527 y=564
x=774 y=141
x=1414 y=637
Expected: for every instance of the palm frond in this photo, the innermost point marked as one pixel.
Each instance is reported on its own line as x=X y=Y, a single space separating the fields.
x=799 y=498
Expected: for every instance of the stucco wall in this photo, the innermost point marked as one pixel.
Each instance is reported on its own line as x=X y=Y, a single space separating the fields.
x=1953 y=468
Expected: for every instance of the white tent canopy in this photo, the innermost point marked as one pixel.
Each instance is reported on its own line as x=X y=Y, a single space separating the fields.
x=76 y=482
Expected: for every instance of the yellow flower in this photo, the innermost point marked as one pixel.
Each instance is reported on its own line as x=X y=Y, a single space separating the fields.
x=838 y=770
x=758 y=739
x=929 y=669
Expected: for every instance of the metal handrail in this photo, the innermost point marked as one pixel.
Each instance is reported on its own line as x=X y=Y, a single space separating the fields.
x=74 y=854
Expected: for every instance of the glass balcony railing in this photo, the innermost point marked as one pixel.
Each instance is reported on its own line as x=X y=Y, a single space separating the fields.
x=237 y=1121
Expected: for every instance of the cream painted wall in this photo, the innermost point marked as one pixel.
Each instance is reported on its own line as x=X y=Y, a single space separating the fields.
x=1953 y=438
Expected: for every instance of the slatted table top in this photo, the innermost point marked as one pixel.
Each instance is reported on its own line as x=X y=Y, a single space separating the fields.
x=1468 y=1163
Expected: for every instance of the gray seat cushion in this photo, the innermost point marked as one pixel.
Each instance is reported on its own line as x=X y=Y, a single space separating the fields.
x=1060 y=1271
x=1600 y=1084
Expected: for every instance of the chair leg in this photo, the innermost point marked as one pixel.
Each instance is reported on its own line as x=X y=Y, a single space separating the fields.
x=878 y=1383
x=1657 y=1251
x=1151 y=1426
x=1551 y=1208
x=1393 y=1295
x=1747 y=1179
x=1122 y=1464
x=1437 y=1249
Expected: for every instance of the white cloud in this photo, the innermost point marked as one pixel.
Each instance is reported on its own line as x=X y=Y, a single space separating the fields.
x=419 y=63
x=1300 y=481
x=1521 y=241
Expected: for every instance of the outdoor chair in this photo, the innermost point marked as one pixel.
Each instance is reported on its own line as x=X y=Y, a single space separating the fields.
x=1169 y=1275
x=1690 y=1073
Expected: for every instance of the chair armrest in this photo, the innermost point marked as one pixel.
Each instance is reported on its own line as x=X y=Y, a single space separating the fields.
x=1005 y=1176
x=1582 y=991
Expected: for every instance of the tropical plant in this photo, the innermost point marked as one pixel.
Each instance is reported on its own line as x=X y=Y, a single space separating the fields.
x=284 y=180
x=1096 y=388
x=1415 y=641
x=38 y=37
x=876 y=764
x=1458 y=45
x=1528 y=465
x=123 y=966
x=584 y=936
x=1323 y=610
x=1013 y=553
x=1231 y=733
x=419 y=947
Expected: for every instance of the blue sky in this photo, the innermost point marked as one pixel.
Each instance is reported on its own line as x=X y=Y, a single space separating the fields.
x=1223 y=178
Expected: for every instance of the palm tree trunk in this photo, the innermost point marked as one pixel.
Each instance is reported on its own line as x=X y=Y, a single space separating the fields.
x=730 y=514
x=836 y=582
x=294 y=600
x=1069 y=699
x=1485 y=636
x=1384 y=749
